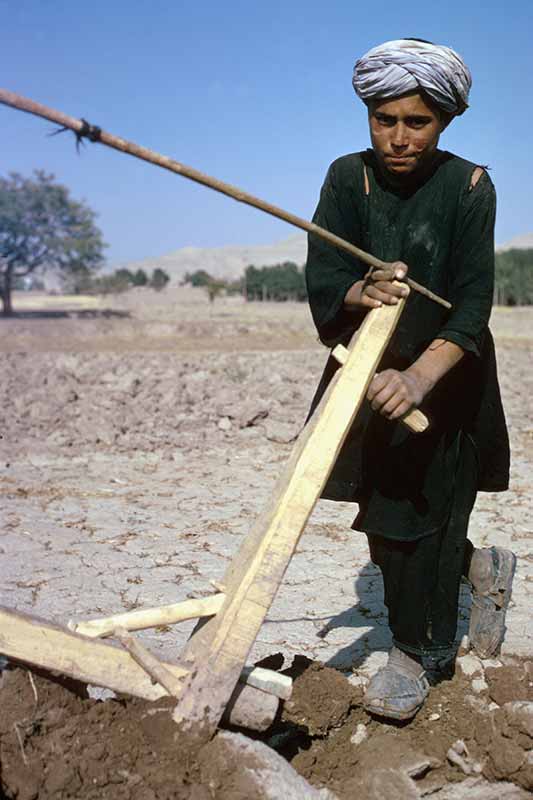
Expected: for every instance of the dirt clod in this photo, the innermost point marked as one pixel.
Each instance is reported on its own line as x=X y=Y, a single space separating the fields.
x=510 y=683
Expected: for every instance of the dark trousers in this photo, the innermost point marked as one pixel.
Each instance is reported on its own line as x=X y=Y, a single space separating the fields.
x=422 y=577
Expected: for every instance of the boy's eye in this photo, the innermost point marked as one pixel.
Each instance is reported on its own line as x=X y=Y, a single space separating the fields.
x=417 y=122
x=385 y=120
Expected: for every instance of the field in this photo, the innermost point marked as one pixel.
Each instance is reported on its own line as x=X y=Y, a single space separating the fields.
x=141 y=436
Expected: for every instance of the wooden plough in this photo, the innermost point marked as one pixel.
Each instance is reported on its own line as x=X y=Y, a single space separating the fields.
x=211 y=681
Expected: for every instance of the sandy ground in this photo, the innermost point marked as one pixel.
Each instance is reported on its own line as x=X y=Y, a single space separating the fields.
x=142 y=435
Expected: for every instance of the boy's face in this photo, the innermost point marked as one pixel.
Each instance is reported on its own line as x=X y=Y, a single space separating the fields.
x=405 y=133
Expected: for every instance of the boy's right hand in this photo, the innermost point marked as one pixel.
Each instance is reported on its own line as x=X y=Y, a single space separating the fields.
x=377 y=288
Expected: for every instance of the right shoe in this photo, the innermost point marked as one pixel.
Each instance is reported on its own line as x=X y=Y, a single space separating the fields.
x=491 y=574
x=398 y=690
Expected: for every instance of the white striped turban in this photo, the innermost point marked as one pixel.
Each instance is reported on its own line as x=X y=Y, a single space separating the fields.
x=405 y=65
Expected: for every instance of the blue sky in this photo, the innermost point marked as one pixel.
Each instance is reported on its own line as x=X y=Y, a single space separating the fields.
x=255 y=93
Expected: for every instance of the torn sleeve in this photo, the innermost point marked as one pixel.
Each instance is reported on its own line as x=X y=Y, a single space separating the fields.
x=472 y=269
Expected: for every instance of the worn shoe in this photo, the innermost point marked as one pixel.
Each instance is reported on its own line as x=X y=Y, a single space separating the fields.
x=491 y=574
x=398 y=690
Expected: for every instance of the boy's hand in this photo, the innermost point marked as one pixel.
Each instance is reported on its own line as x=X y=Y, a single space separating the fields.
x=395 y=393
x=377 y=288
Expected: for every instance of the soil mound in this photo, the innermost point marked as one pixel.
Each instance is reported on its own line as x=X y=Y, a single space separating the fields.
x=460 y=732
x=57 y=742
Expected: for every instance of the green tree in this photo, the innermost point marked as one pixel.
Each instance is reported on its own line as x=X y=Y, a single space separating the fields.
x=140 y=278
x=159 y=279
x=116 y=282
x=124 y=276
x=198 y=278
x=514 y=277
x=42 y=227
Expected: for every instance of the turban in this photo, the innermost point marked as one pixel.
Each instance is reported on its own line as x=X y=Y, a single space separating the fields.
x=405 y=65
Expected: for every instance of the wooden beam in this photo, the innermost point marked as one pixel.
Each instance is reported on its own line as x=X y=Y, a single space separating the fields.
x=268 y=680
x=151 y=665
x=149 y=617
x=42 y=644
x=416 y=421
x=217 y=652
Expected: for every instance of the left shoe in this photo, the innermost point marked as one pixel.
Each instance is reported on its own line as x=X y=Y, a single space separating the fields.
x=398 y=690
x=491 y=574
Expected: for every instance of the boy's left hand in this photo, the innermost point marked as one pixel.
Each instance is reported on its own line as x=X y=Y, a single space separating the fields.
x=394 y=393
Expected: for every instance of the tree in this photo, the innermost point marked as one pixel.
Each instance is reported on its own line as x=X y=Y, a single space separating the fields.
x=213 y=289
x=42 y=227
x=198 y=278
x=140 y=278
x=514 y=277
x=114 y=283
x=159 y=279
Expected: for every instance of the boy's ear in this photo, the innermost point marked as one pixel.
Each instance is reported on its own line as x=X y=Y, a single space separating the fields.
x=445 y=119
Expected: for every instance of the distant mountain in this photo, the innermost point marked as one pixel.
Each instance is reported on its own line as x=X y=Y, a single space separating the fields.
x=522 y=242
x=228 y=262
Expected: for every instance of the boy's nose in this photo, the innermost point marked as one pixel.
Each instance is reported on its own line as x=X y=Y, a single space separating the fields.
x=399 y=138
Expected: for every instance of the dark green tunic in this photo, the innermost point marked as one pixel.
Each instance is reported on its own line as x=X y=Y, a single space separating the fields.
x=444 y=231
